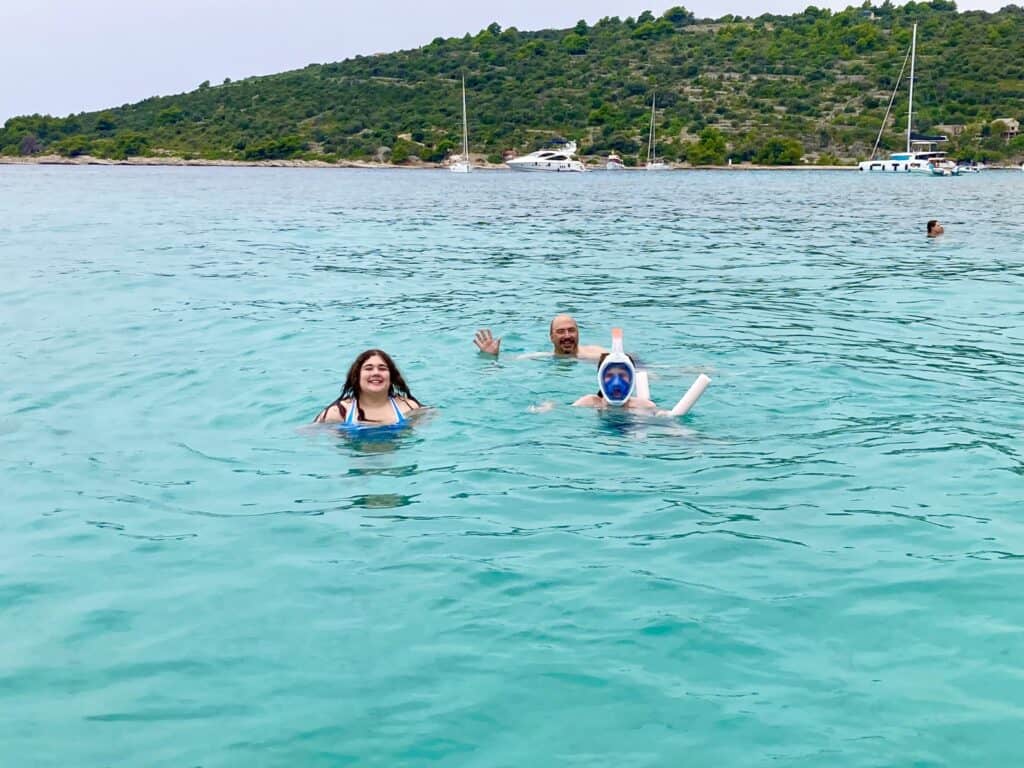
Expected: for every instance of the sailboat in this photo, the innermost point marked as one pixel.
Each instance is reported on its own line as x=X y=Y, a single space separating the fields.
x=463 y=164
x=653 y=164
x=921 y=154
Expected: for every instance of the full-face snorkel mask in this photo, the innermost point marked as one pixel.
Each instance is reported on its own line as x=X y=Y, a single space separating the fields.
x=616 y=375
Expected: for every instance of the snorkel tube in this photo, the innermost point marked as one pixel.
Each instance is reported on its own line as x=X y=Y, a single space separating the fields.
x=616 y=375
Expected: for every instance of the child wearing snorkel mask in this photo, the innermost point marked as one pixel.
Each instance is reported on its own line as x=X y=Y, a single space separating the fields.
x=616 y=380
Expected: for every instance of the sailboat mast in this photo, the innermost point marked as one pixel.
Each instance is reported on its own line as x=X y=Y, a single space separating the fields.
x=651 y=151
x=910 y=106
x=465 y=124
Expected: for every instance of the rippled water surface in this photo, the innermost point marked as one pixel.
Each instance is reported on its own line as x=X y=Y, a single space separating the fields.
x=819 y=566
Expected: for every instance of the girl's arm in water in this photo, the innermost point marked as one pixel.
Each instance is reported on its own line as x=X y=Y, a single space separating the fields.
x=332 y=414
x=408 y=404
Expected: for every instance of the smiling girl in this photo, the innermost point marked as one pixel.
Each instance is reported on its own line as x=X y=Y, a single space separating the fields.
x=375 y=394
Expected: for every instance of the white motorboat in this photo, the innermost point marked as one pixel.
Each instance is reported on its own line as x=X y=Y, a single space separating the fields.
x=943 y=166
x=551 y=160
x=922 y=154
x=462 y=163
x=653 y=164
x=969 y=167
x=615 y=163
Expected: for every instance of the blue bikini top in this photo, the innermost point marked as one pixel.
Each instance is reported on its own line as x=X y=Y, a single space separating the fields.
x=352 y=418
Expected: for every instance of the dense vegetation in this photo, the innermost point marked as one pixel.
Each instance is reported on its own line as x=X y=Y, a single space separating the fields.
x=772 y=89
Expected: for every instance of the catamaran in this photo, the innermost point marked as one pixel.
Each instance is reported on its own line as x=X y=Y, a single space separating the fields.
x=922 y=154
x=463 y=164
x=653 y=164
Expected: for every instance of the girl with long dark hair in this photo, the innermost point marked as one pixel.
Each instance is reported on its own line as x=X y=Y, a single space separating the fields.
x=375 y=394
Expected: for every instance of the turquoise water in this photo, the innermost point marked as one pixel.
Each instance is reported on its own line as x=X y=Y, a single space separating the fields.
x=820 y=566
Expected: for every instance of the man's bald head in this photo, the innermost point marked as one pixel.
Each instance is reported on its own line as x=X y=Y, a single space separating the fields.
x=565 y=335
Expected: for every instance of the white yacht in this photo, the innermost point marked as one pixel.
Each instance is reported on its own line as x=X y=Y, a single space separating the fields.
x=552 y=159
x=461 y=163
x=615 y=163
x=922 y=154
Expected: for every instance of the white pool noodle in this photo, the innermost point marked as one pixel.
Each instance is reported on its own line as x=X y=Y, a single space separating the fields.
x=643 y=386
x=692 y=396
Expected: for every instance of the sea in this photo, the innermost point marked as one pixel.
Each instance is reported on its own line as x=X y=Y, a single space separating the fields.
x=819 y=565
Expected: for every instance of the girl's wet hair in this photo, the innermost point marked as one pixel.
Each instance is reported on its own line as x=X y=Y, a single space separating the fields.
x=397 y=386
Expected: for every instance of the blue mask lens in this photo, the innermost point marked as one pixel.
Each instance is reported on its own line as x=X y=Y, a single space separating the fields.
x=616 y=383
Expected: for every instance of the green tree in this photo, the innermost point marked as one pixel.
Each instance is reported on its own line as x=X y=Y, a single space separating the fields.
x=131 y=144
x=106 y=121
x=710 y=148
x=169 y=116
x=575 y=44
x=678 y=16
x=73 y=146
x=275 y=149
x=402 y=150
x=779 y=151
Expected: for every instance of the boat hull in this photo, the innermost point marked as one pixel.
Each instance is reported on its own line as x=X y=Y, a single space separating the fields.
x=547 y=166
x=902 y=166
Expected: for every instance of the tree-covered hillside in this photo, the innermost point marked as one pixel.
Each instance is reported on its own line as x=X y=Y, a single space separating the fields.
x=770 y=89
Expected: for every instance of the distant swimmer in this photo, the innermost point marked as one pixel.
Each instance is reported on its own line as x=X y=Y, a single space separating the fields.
x=565 y=340
x=934 y=228
x=374 y=395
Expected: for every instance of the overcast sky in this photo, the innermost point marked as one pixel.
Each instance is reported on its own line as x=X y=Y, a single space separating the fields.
x=64 y=56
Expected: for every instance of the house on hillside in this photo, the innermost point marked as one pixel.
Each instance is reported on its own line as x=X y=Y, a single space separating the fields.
x=951 y=130
x=1012 y=127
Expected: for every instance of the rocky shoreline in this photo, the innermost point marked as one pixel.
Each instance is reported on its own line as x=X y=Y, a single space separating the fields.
x=181 y=161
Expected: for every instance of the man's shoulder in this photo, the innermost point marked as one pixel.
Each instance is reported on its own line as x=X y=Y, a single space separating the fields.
x=590 y=351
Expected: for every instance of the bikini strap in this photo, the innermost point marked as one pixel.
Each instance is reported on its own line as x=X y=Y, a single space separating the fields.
x=398 y=411
x=352 y=416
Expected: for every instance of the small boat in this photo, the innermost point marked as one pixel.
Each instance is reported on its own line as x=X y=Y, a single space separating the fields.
x=922 y=154
x=943 y=166
x=462 y=162
x=550 y=160
x=653 y=164
x=969 y=166
x=615 y=163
